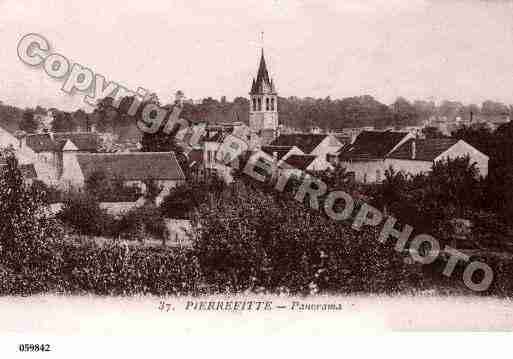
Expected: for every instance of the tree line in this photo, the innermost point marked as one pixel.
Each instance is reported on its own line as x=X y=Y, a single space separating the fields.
x=297 y=113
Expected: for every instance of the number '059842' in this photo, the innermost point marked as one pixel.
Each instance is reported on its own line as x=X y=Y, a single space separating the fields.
x=34 y=347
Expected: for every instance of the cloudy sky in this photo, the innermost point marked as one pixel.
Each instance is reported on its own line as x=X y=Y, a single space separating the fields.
x=439 y=49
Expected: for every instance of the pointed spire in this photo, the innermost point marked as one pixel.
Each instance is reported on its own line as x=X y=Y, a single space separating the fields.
x=262 y=83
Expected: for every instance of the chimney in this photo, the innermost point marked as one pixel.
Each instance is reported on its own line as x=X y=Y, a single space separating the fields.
x=413 y=150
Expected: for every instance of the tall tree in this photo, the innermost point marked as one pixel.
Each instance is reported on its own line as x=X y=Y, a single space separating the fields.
x=29 y=123
x=63 y=122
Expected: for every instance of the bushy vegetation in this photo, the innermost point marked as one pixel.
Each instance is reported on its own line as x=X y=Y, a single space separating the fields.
x=27 y=234
x=251 y=241
x=116 y=269
x=110 y=189
x=35 y=256
x=83 y=213
x=141 y=222
x=247 y=238
x=183 y=200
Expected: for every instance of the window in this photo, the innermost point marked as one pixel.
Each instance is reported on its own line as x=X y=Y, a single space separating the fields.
x=267 y=104
x=254 y=104
x=272 y=104
x=259 y=104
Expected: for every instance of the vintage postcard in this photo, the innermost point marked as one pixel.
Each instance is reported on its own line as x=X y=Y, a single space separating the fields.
x=183 y=169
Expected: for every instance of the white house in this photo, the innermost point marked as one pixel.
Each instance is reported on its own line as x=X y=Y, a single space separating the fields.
x=418 y=155
x=7 y=139
x=310 y=144
x=298 y=164
x=281 y=153
x=366 y=156
x=24 y=155
x=47 y=151
x=135 y=168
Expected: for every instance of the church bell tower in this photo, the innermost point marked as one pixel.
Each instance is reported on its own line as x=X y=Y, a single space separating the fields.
x=263 y=111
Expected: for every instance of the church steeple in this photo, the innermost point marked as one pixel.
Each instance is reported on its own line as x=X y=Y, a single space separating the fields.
x=263 y=84
x=263 y=112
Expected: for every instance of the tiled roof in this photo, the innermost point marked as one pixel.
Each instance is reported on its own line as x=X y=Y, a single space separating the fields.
x=280 y=150
x=305 y=142
x=425 y=150
x=300 y=161
x=85 y=141
x=371 y=145
x=134 y=166
x=41 y=143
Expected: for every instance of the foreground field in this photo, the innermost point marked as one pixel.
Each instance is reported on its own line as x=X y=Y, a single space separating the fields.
x=148 y=315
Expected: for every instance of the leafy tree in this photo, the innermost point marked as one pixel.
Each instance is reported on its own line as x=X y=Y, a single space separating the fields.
x=82 y=212
x=27 y=234
x=182 y=201
x=432 y=132
x=404 y=113
x=108 y=188
x=392 y=189
x=29 y=123
x=250 y=240
x=63 y=122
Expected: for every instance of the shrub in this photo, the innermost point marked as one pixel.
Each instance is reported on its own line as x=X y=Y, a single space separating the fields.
x=83 y=213
x=251 y=240
x=183 y=200
x=137 y=223
x=110 y=189
x=123 y=270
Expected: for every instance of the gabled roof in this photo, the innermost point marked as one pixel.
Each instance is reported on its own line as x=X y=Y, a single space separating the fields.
x=279 y=150
x=425 y=150
x=371 y=145
x=305 y=142
x=85 y=141
x=134 y=166
x=44 y=142
x=300 y=161
x=41 y=143
x=262 y=84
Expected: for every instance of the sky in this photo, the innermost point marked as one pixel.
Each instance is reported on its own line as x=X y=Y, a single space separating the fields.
x=431 y=50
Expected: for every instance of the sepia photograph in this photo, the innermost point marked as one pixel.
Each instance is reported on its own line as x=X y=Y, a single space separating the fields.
x=259 y=169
